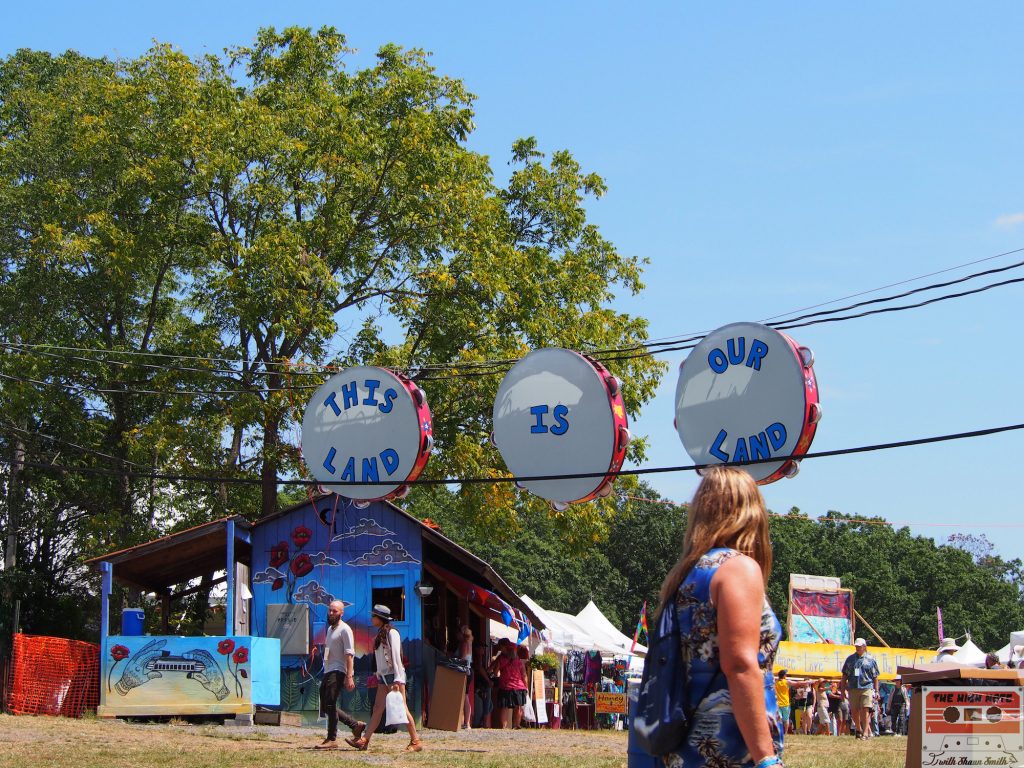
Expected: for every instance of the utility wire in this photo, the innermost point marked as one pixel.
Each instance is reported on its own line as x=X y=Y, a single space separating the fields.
x=666 y=344
x=537 y=478
x=822 y=519
x=59 y=441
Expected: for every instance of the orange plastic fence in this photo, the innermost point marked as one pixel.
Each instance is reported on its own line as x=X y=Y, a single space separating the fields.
x=53 y=676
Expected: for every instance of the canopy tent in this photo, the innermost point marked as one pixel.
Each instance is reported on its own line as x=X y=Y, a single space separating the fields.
x=597 y=625
x=565 y=632
x=969 y=655
x=1014 y=649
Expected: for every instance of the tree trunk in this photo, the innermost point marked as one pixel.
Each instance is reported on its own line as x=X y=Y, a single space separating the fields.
x=14 y=499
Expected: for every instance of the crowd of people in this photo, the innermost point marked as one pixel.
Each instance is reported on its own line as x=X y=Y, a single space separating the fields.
x=823 y=708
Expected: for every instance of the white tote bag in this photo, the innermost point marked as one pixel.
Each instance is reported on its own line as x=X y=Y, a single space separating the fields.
x=394 y=706
x=528 y=715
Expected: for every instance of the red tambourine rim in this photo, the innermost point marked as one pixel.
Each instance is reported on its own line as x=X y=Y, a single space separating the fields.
x=620 y=426
x=425 y=423
x=810 y=424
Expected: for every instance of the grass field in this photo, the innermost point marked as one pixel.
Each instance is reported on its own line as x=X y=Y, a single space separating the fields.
x=27 y=742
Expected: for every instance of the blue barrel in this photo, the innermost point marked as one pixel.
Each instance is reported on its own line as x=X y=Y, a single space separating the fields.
x=132 y=622
x=636 y=757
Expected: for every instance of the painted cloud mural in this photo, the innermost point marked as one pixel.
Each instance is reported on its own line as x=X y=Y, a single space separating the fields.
x=388 y=552
x=365 y=527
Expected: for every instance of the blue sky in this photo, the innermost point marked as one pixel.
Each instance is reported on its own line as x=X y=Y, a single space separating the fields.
x=763 y=157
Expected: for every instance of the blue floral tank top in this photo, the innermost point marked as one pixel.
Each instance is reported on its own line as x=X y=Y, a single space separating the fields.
x=715 y=739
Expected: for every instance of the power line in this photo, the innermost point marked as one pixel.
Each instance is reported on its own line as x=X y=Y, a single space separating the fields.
x=60 y=441
x=821 y=519
x=473 y=369
x=162 y=393
x=538 y=478
x=901 y=282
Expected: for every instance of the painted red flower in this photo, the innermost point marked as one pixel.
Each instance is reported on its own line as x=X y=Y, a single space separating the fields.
x=119 y=652
x=241 y=655
x=278 y=583
x=225 y=646
x=301 y=536
x=278 y=554
x=302 y=565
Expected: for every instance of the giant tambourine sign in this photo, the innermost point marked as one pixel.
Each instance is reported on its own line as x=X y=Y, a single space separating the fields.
x=560 y=413
x=367 y=425
x=748 y=392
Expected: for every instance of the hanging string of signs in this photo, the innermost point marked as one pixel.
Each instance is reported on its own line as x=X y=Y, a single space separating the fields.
x=746 y=392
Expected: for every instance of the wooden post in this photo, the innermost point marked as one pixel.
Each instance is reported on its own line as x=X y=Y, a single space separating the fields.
x=871 y=628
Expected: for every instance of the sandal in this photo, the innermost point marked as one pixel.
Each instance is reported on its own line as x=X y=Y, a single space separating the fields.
x=361 y=744
x=415 y=746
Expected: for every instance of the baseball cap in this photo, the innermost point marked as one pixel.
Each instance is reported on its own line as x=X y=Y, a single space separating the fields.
x=860 y=641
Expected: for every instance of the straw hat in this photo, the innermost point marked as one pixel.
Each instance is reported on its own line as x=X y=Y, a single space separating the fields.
x=948 y=644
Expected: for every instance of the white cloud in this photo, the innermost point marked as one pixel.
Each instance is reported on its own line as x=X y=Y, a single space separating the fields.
x=1010 y=220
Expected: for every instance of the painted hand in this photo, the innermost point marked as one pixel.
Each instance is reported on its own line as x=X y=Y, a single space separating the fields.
x=211 y=678
x=135 y=674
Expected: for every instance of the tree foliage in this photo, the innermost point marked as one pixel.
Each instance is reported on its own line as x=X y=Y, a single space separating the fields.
x=228 y=230
x=898 y=579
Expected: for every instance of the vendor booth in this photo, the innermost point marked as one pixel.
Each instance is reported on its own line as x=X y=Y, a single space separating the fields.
x=964 y=715
x=165 y=674
x=281 y=573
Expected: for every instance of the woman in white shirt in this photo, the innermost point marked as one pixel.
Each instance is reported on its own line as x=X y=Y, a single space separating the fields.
x=387 y=652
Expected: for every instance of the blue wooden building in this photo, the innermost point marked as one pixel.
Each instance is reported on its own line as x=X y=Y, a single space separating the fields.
x=284 y=570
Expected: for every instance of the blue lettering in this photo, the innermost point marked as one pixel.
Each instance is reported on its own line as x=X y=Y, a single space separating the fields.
x=371 y=389
x=350 y=394
x=736 y=356
x=334 y=406
x=329 y=461
x=561 y=423
x=741 y=451
x=759 y=446
x=540 y=427
x=389 y=401
x=370 y=473
x=716 y=447
x=758 y=349
x=389 y=457
x=349 y=475
x=777 y=435
x=717 y=361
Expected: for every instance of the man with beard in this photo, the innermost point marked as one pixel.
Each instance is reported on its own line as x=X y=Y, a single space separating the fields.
x=339 y=653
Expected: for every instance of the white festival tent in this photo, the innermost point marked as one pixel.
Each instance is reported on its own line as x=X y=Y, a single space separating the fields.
x=597 y=625
x=564 y=633
x=1013 y=649
x=969 y=655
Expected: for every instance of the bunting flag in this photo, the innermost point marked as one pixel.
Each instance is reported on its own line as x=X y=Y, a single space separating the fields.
x=525 y=630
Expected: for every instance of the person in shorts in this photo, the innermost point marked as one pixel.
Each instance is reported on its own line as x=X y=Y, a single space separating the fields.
x=782 y=696
x=511 y=684
x=860 y=682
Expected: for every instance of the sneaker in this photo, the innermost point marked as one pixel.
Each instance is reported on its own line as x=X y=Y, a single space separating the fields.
x=327 y=744
x=357 y=729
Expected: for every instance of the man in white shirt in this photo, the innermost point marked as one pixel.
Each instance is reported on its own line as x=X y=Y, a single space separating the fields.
x=339 y=653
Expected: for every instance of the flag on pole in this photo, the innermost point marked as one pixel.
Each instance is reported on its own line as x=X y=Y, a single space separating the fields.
x=938 y=614
x=642 y=624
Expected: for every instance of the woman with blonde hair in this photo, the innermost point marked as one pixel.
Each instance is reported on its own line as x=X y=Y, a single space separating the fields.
x=729 y=632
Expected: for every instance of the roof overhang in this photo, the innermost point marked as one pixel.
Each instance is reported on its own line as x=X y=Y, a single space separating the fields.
x=180 y=557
